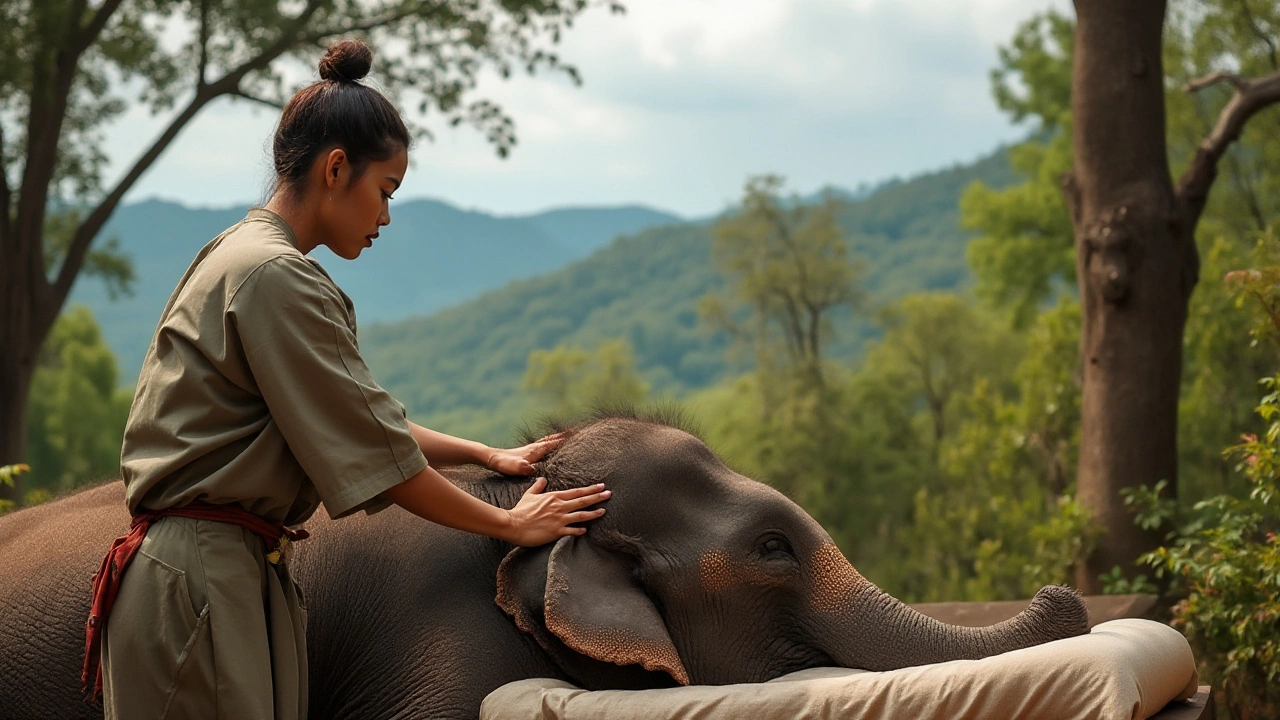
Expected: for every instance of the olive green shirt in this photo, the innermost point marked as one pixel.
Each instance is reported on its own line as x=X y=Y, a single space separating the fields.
x=254 y=392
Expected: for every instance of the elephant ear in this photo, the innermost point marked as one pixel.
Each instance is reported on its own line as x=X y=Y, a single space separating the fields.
x=596 y=607
x=522 y=581
x=585 y=609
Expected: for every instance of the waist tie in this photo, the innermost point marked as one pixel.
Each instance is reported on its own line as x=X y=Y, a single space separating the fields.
x=106 y=582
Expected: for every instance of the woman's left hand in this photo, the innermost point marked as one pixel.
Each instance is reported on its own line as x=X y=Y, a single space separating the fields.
x=519 y=461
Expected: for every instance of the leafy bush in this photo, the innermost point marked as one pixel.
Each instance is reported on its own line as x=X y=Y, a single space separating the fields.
x=1224 y=557
x=8 y=474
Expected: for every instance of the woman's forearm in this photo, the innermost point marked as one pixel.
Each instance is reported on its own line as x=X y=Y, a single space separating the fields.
x=446 y=450
x=429 y=495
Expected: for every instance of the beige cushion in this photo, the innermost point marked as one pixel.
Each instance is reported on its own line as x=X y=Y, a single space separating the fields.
x=1123 y=669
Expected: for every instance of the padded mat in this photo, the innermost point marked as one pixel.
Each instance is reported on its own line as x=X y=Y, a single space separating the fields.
x=1123 y=669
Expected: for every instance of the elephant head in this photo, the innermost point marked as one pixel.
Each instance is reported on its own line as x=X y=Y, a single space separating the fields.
x=700 y=575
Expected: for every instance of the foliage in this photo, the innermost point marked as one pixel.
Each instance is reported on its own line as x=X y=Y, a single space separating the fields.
x=9 y=476
x=844 y=452
x=938 y=345
x=106 y=262
x=1033 y=79
x=460 y=370
x=246 y=48
x=1220 y=371
x=1024 y=257
x=1206 y=36
x=1223 y=557
x=788 y=270
x=572 y=381
x=1117 y=583
x=970 y=508
x=77 y=415
x=1025 y=251
x=65 y=61
x=1024 y=254
x=1000 y=519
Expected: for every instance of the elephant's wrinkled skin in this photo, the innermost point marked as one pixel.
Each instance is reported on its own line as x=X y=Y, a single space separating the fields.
x=696 y=574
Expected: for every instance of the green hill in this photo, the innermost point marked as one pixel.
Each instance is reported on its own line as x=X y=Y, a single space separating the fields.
x=433 y=255
x=460 y=369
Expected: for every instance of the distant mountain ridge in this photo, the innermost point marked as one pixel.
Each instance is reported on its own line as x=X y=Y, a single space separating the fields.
x=433 y=255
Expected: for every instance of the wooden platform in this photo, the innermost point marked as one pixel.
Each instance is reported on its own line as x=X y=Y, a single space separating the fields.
x=976 y=614
x=1199 y=707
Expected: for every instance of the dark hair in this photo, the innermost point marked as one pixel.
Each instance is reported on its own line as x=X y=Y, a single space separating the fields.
x=337 y=111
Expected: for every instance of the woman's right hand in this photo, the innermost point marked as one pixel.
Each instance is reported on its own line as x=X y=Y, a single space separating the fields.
x=541 y=517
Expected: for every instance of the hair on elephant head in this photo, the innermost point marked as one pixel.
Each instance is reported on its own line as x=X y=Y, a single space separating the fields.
x=698 y=574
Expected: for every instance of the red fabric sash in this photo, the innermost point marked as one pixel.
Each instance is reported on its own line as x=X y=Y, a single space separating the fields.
x=106 y=582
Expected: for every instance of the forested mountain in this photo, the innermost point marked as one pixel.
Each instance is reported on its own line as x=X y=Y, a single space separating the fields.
x=461 y=369
x=432 y=255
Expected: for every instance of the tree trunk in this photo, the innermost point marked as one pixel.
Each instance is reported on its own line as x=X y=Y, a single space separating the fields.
x=17 y=368
x=1136 y=265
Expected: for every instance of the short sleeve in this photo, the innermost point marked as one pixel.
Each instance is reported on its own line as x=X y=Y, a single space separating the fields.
x=349 y=435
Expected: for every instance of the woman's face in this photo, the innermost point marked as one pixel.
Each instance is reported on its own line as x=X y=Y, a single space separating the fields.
x=355 y=208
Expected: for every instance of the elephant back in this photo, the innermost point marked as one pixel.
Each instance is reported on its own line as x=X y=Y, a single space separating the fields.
x=48 y=555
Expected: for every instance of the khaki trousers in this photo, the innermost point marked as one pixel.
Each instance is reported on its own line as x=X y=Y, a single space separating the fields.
x=205 y=627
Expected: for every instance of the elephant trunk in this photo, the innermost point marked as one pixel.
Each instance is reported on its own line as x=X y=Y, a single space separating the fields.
x=861 y=626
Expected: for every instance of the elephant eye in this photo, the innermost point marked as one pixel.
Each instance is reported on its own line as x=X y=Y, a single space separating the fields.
x=775 y=545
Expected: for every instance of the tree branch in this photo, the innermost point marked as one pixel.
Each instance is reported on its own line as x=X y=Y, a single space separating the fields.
x=46 y=114
x=229 y=84
x=203 y=66
x=91 y=31
x=1200 y=83
x=1257 y=30
x=231 y=81
x=1250 y=96
x=89 y=228
x=371 y=23
x=5 y=196
x=263 y=101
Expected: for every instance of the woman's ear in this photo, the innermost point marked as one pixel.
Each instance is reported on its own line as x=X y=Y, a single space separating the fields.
x=336 y=167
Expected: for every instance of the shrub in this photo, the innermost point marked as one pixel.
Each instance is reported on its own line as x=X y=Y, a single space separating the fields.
x=1223 y=559
x=8 y=475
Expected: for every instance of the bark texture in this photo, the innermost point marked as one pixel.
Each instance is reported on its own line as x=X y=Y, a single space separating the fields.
x=1136 y=265
x=1136 y=259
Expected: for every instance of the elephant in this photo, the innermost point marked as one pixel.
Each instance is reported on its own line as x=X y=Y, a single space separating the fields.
x=696 y=574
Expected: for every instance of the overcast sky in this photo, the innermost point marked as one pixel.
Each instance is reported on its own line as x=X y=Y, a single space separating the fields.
x=682 y=100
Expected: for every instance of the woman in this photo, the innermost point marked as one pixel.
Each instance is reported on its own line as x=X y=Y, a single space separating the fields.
x=252 y=407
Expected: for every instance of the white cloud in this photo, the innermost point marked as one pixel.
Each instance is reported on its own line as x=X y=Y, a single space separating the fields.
x=682 y=100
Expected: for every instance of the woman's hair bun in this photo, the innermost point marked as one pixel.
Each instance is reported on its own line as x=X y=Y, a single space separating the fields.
x=346 y=61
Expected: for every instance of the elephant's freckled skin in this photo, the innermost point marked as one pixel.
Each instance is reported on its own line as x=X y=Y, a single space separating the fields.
x=715 y=572
x=624 y=648
x=832 y=579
